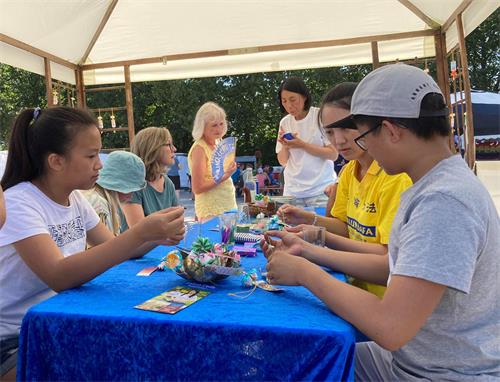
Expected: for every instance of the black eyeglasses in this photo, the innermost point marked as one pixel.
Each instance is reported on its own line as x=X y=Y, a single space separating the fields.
x=360 y=141
x=170 y=146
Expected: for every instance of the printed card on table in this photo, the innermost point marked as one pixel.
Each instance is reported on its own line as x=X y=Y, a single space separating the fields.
x=223 y=155
x=173 y=300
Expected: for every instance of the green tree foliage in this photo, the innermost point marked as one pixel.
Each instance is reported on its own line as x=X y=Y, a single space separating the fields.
x=19 y=89
x=483 y=54
x=250 y=102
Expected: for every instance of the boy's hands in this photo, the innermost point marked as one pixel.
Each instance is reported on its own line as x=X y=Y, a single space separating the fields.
x=289 y=243
x=286 y=258
x=284 y=268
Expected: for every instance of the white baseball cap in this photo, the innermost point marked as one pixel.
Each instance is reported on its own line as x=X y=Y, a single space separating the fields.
x=395 y=91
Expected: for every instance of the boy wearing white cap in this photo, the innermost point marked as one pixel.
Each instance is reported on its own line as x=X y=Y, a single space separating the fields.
x=440 y=316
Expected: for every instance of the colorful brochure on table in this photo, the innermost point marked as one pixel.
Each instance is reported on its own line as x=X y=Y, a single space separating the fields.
x=173 y=300
x=222 y=157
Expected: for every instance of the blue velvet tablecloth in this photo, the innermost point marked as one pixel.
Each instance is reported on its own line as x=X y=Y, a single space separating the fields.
x=93 y=333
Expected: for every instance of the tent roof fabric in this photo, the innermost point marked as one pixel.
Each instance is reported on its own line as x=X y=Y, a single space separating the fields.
x=243 y=36
x=478 y=97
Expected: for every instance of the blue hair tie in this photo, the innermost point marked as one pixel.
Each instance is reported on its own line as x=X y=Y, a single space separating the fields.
x=36 y=113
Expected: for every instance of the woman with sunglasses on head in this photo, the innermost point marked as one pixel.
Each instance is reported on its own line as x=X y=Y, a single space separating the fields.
x=155 y=147
x=302 y=150
x=211 y=198
x=367 y=198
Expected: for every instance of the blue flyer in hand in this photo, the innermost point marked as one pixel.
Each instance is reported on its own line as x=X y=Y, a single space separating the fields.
x=223 y=155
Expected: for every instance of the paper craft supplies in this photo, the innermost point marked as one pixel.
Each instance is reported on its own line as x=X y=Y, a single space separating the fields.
x=245 y=251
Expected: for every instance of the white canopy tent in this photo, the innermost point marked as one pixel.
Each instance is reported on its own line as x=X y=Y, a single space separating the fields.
x=96 y=42
x=171 y=39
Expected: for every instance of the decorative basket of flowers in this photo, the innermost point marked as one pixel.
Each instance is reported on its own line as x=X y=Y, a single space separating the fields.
x=205 y=263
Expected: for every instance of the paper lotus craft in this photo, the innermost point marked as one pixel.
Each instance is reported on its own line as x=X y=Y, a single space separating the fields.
x=205 y=263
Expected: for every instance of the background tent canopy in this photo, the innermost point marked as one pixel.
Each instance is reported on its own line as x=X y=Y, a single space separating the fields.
x=485 y=112
x=197 y=38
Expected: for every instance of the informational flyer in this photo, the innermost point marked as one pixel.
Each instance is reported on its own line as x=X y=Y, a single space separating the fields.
x=174 y=300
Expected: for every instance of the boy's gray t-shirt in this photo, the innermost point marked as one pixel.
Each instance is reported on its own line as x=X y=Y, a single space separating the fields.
x=447 y=231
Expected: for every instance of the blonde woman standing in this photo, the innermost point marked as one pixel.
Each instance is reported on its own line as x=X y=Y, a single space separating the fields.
x=155 y=147
x=211 y=198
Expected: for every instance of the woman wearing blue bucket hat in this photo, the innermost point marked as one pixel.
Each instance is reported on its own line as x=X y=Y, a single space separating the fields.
x=122 y=174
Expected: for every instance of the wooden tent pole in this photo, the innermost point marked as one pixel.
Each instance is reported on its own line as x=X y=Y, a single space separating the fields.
x=421 y=15
x=462 y=103
x=262 y=49
x=460 y=9
x=442 y=75
x=471 y=147
x=375 y=59
x=48 y=83
x=80 y=92
x=38 y=52
x=441 y=64
x=129 y=104
x=98 y=31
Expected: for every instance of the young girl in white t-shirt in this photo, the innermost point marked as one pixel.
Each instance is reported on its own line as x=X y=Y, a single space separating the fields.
x=53 y=153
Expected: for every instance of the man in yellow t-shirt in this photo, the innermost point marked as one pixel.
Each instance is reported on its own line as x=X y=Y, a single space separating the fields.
x=368 y=206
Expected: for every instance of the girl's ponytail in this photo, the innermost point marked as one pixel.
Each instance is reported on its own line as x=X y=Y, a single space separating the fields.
x=19 y=165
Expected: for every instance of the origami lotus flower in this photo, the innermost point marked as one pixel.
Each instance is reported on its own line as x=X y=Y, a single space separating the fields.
x=202 y=245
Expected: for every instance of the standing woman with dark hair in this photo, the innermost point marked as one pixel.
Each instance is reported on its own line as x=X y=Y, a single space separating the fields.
x=301 y=147
x=52 y=154
x=367 y=198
